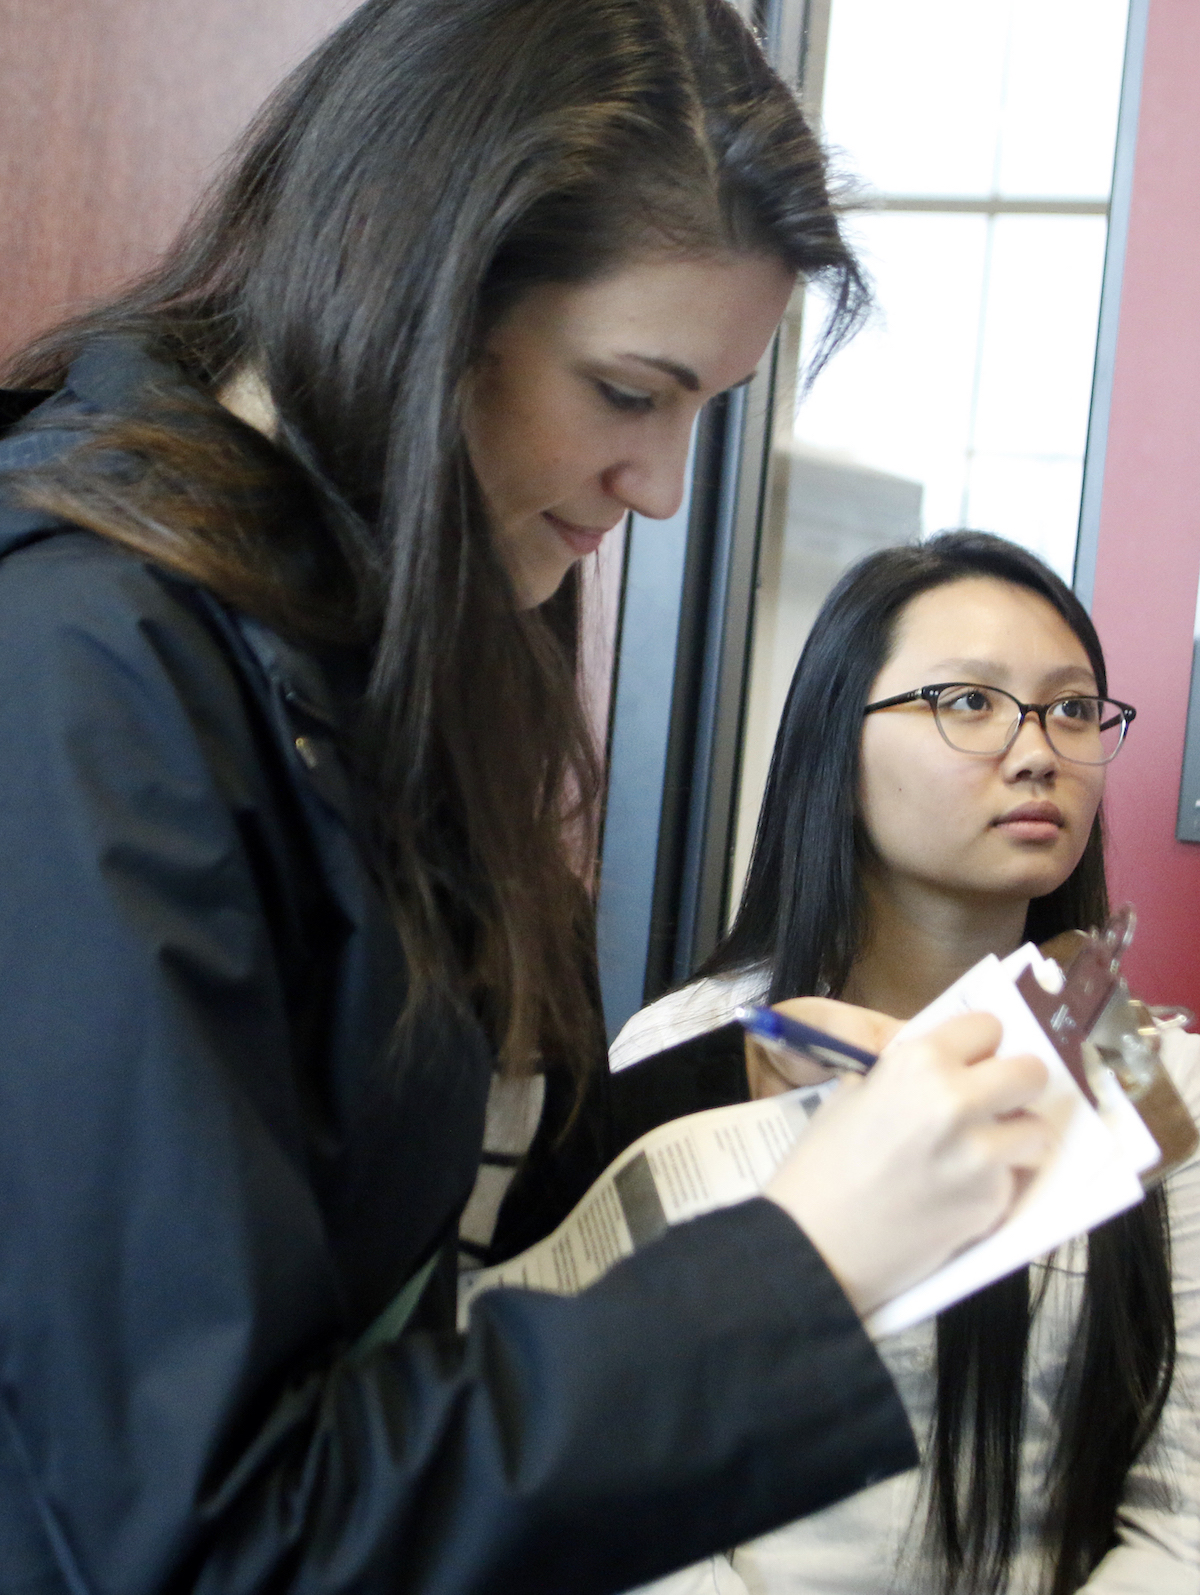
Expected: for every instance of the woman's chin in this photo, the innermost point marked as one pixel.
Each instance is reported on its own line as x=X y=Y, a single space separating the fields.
x=1028 y=884
x=1036 y=870
x=536 y=584
x=984 y=892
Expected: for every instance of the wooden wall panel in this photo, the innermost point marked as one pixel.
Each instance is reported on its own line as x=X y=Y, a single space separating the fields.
x=113 y=115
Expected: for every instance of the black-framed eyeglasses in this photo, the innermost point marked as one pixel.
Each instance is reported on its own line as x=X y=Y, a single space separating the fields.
x=973 y=718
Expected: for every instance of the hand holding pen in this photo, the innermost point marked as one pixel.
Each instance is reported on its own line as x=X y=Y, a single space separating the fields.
x=912 y=1158
x=803 y=1041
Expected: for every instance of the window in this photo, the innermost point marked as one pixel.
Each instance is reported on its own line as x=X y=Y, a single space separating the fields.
x=980 y=138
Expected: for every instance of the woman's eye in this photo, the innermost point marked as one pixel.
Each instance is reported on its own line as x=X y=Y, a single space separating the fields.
x=968 y=700
x=625 y=399
x=1082 y=711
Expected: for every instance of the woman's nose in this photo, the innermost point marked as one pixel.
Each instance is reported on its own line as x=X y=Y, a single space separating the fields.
x=652 y=484
x=1031 y=753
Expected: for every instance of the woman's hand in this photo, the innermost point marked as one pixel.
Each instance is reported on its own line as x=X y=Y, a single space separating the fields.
x=769 y=1072
x=904 y=1166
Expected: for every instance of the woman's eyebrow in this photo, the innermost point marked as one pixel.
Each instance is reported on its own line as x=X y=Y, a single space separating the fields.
x=684 y=375
x=981 y=670
x=1069 y=673
x=990 y=672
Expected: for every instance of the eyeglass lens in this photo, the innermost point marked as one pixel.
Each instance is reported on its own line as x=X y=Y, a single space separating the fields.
x=984 y=720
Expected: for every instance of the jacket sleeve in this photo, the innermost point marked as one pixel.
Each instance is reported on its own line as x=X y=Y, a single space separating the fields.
x=177 y=1405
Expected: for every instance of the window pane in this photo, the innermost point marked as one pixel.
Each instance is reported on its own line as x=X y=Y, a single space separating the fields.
x=913 y=92
x=1039 y=339
x=1033 y=500
x=1061 y=93
x=942 y=97
x=978 y=359
x=899 y=396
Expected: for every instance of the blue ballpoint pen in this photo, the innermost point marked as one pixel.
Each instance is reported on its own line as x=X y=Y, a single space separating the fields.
x=776 y=1030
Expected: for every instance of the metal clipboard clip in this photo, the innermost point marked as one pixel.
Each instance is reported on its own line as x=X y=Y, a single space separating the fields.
x=1095 y=1024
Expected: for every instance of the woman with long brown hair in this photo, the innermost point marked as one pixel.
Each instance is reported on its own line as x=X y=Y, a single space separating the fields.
x=296 y=792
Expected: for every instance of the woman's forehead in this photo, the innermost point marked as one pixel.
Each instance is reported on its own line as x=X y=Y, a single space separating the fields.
x=985 y=628
x=705 y=322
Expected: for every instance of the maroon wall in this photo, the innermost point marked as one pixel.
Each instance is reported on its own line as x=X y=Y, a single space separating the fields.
x=113 y=113
x=1149 y=549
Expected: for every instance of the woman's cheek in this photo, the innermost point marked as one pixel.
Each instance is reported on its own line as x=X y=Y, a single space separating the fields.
x=1101 y=782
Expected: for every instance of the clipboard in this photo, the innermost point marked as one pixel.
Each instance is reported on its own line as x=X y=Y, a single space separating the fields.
x=1095 y=1024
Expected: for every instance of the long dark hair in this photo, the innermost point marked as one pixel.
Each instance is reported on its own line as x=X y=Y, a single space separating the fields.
x=426 y=166
x=809 y=836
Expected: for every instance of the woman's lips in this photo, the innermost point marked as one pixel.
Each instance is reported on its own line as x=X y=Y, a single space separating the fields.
x=1032 y=822
x=579 y=539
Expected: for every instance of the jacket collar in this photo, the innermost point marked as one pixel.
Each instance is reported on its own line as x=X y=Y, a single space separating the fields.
x=108 y=375
x=112 y=375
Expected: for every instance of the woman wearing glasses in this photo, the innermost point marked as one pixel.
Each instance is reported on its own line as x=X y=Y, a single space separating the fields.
x=934 y=796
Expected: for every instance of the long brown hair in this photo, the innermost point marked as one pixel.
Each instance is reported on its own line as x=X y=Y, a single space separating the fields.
x=423 y=168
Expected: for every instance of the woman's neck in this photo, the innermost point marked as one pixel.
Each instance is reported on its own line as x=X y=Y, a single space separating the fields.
x=919 y=942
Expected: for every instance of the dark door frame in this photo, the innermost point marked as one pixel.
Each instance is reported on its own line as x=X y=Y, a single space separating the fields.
x=680 y=677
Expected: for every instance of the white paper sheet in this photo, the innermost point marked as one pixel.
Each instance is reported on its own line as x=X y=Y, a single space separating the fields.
x=1090 y=1177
